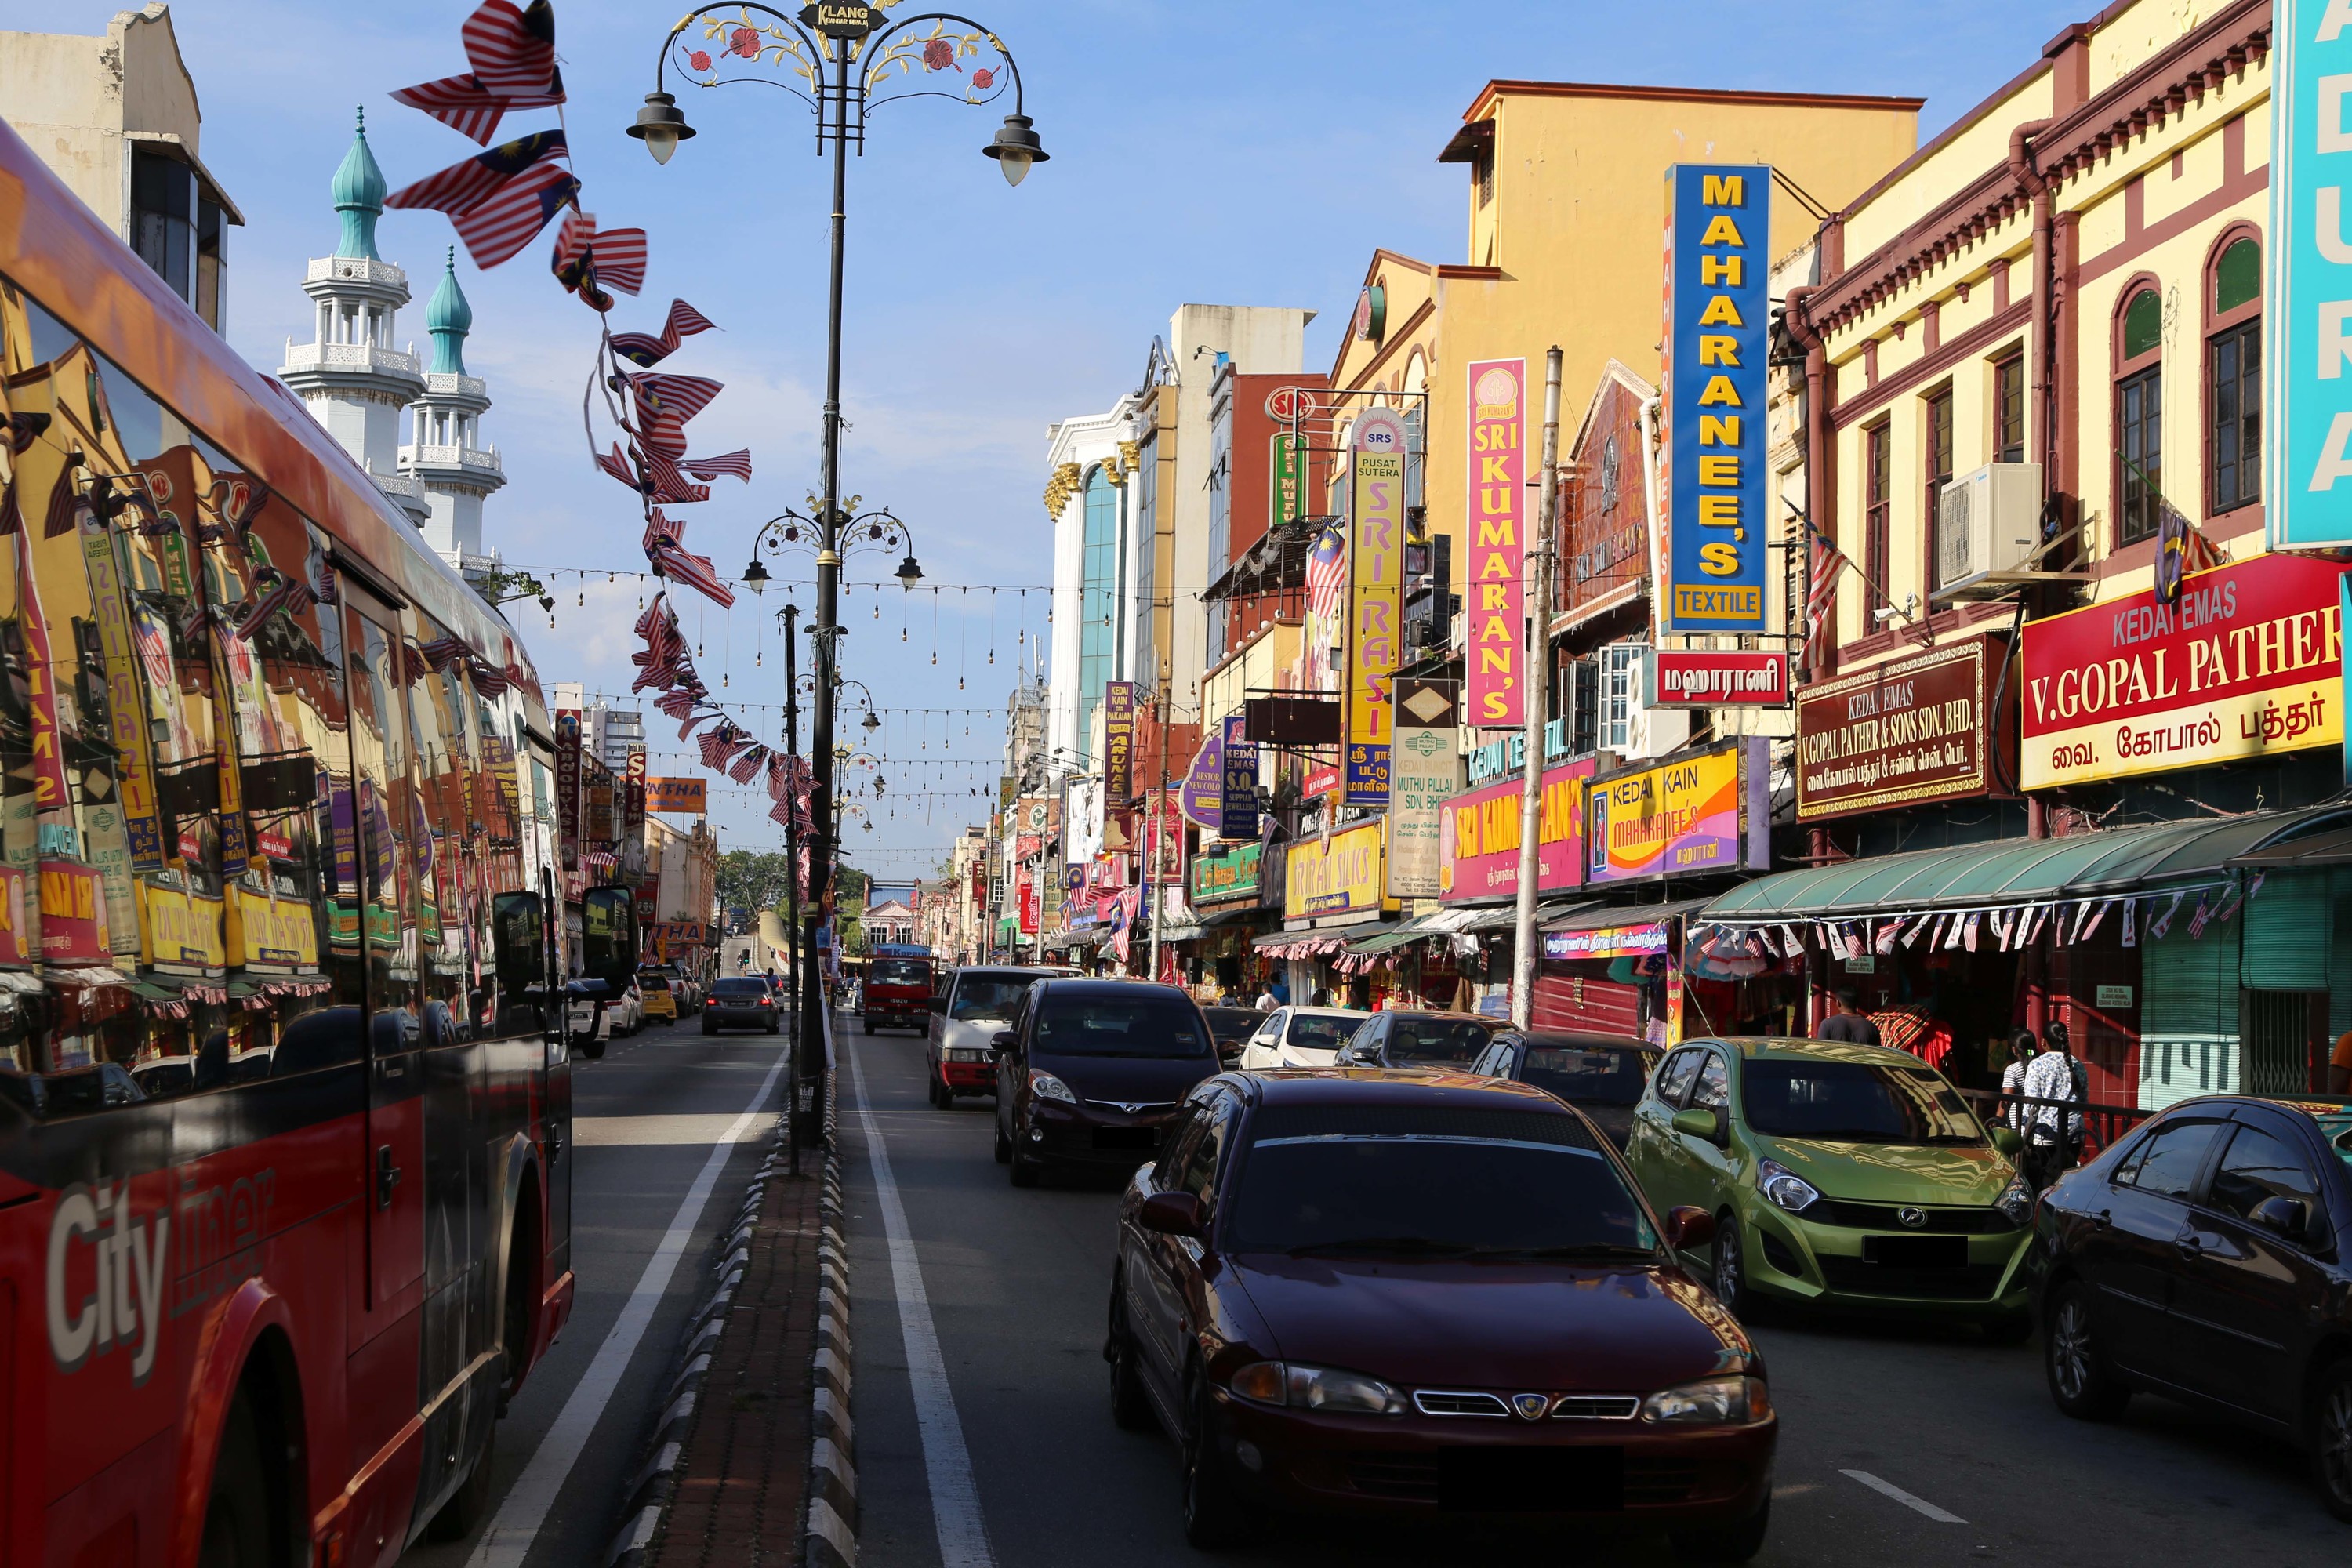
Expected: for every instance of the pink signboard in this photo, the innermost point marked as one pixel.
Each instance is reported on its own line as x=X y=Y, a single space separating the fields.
x=1478 y=838
x=1497 y=613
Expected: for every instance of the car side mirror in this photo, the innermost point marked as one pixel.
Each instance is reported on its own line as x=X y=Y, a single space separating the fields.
x=1171 y=1214
x=1003 y=1040
x=2282 y=1216
x=1688 y=1227
x=2006 y=1139
x=1700 y=1121
x=518 y=942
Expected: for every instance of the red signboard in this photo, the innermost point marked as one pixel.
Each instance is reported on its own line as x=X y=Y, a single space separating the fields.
x=1904 y=733
x=1478 y=837
x=1321 y=780
x=2250 y=662
x=1700 y=678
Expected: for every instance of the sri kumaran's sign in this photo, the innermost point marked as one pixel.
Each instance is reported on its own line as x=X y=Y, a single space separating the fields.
x=1496 y=659
x=1718 y=237
x=2248 y=663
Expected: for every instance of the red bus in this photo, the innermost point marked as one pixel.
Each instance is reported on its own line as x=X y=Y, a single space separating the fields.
x=285 y=1203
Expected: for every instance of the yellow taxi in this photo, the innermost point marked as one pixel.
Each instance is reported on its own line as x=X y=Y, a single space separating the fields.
x=660 y=1001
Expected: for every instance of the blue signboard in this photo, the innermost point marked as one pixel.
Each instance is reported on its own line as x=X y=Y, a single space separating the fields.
x=1718 y=265
x=2307 y=319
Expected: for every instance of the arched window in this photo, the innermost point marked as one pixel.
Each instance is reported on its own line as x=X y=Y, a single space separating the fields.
x=1097 y=605
x=2234 y=374
x=2140 y=414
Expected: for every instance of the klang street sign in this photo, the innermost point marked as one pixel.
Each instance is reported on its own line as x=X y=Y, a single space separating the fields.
x=2307 y=321
x=1718 y=234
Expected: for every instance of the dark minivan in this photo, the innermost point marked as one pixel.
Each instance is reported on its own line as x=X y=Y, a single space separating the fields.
x=1091 y=1071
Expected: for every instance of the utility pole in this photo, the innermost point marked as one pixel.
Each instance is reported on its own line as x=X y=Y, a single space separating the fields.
x=792 y=894
x=1154 y=832
x=1527 y=955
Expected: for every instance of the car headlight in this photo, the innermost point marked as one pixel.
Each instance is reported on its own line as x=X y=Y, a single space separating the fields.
x=1316 y=1388
x=1045 y=1086
x=2016 y=1203
x=1785 y=1187
x=1716 y=1402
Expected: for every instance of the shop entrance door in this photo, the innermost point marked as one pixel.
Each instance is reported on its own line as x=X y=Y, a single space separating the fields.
x=2286 y=1032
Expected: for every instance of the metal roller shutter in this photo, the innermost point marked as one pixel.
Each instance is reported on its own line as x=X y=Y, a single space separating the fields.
x=2188 y=1021
x=1566 y=999
x=2288 y=932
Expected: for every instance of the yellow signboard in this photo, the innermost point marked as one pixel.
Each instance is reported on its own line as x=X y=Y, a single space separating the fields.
x=1340 y=875
x=180 y=928
x=274 y=932
x=677 y=794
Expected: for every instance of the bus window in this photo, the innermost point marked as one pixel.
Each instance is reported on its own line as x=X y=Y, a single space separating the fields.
x=382 y=805
x=438 y=834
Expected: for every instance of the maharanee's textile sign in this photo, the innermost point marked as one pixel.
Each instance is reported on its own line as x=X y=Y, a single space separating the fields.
x=1497 y=516
x=2248 y=663
x=1719 y=234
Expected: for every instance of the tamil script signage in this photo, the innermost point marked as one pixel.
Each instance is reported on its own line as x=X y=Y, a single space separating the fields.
x=2247 y=664
x=2307 y=317
x=1424 y=772
x=1375 y=599
x=1900 y=733
x=1608 y=941
x=1478 y=838
x=1704 y=678
x=1497 y=657
x=1718 y=305
x=1707 y=812
x=1230 y=872
x=1336 y=876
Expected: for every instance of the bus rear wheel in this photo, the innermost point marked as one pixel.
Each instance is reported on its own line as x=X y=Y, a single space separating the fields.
x=236 y=1514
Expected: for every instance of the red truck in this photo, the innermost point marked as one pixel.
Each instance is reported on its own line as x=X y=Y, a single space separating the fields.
x=899 y=977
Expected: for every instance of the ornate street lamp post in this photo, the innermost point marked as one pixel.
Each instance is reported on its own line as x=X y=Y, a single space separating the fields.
x=850 y=57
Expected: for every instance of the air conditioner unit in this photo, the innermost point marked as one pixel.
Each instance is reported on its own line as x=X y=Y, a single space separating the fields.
x=1986 y=522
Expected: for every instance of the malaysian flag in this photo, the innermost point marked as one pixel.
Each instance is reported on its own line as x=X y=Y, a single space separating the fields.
x=647 y=351
x=1820 y=601
x=285 y=593
x=512 y=50
x=473 y=111
x=666 y=482
x=671 y=560
x=496 y=228
x=737 y=465
x=488 y=679
x=462 y=184
x=618 y=466
x=587 y=257
x=1327 y=574
x=660 y=393
x=742 y=769
x=2204 y=913
x=677 y=704
x=442 y=652
x=2158 y=927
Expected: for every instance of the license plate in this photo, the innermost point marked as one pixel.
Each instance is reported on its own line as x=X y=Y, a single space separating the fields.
x=1531 y=1480
x=1135 y=1138
x=1917 y=1251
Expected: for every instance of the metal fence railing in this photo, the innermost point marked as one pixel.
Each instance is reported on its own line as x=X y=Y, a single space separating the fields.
x=2102 y=1125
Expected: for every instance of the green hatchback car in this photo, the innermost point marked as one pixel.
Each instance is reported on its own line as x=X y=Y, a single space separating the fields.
x=1841 y=1174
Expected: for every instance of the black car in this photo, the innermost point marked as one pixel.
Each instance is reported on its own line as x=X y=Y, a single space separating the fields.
x=747 y=1001
x=1233 y=1026
x=1600 y=1074
x=1091 y=1071
x=1419 y=1040
x=2208 y=1258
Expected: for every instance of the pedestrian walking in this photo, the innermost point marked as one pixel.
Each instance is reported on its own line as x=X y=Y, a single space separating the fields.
x=1266 y=1002
x=2053 y=1133
x=1846 y=1023
x=2011 y=1109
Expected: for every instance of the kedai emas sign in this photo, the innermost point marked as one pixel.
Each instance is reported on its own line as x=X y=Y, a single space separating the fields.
x=1719 y=261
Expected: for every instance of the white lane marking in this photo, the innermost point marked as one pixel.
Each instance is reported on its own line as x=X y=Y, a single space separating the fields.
x=637 y=1131
x=508 y=1540
x=955 y=1498
x=1888 y=1489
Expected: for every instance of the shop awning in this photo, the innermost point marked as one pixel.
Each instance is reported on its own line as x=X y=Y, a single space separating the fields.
x=1597 y=917
x=2329 y=847
x=1506 y=917
x=2023 y=871
x=1386 y=941
x=1330 y=938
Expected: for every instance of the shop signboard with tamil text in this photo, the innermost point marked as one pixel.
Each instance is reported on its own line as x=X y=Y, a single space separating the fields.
x=1340 y=875
x=1606 y=942
x=1903 y=733
x=1424 y=772
x=1478 y=838
x=1707 y=812
x=1708 y=678
x=1495 y=615
x=1718 y=305
x=2249 y=663
x=1228 y=871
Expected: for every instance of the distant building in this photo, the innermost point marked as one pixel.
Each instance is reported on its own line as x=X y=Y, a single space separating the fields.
x=116 y=119
x=890 y=921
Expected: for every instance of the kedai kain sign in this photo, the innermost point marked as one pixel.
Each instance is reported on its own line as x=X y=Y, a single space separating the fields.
x=1718 y=259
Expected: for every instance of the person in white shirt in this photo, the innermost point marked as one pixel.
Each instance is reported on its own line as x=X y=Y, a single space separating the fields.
x=2013 y=1079
x=1266 y=1002
x=2052 y=1135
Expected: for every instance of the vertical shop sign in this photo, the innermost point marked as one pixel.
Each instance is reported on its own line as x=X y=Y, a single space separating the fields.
x=1497 y=513
x=2307 y=317
x=567 y=785
x=1202 y=794
x=135 y=762
x=1425 y=771
x=1118 y=741
x=1375 y=598
x=1237 y=786
x=1718 y=259
x=1286 y=481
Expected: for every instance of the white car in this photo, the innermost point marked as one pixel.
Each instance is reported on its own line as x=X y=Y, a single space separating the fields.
x=624 y=1015
x=1300 y=1038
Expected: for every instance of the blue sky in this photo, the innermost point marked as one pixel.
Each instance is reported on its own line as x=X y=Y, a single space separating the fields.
x=1201 y=150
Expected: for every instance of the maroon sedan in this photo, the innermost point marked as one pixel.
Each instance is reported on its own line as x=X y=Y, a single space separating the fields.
x=1414 y=1294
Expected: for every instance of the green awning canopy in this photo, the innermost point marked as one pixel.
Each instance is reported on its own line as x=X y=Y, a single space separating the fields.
x=1411 y=930
x=2021 y=870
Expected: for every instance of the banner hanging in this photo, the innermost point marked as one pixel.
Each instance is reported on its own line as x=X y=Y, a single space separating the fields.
x=1497 y=657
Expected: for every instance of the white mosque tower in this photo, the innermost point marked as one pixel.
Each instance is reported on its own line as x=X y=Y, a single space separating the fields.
x=445 y=455
x=355 y=381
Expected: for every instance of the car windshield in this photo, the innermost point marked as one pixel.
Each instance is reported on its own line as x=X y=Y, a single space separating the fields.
x=1308 y=1033
x=898 y=972
x=1232 y=1022
x=1854 y=1102
x=1595 y=1075
x=1121 y=1026
x=651 y=983
x=995 y=997
x=739 y=988
x=1438 y=1194
x=1455 y=1040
